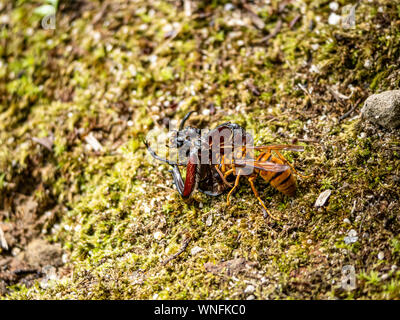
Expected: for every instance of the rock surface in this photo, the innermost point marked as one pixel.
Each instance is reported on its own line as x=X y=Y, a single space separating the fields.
x=39 y=253
x=383 y=109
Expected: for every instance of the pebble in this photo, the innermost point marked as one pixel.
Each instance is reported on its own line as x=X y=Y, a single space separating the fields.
x=158 y=235
x=367 y=64
x=334 y=6
x=195 y=250
x=64 y=258
x=381 y=255
x=315 y=47
x=15 y=251
x=209 y=220
x=322 y=198
x=334 y=19
x=50 y=274
x=249 y=289
x=229 y=7
x=347 y=221
x=351 y=237
x=383 y=109
x=251 y=297
x=314 y=69
x=3 y=241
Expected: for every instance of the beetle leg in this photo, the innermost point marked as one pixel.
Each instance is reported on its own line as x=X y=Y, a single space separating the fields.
x=184 y=120
x=290 y=165
x=251 y=180
x=156 y=156
x=186 y=188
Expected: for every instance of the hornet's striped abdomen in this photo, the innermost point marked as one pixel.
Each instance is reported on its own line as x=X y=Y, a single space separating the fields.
x=283 y=181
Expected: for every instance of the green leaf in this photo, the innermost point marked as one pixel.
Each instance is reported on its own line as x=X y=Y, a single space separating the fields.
x=45 y=10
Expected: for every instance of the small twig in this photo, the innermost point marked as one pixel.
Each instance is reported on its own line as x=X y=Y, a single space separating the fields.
x=308 y=140
x=274 y=32
x=45 y=142
x=348 y=113
x=258 y=22
x=339 y=96
x=254 y=90
x=363 y=216
x=24 y=272
x=187 y=7
x=354 y=207
x=181 y=250
x=305 y=90
x=294 y=21
x=164 y=187
x=100 y=14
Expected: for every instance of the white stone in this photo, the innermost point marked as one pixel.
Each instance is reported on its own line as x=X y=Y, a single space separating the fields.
x=158 y=235
x=322 y=198
x=195 y=250
x=351 y=237
x=334 y=6
x=315 y=46
x=206 y=112
x=367 y=64
x=383 y=109
x=334 y=19
x=384 y=276
x=229 y=7
x=209 y=220
x=249 y=289
x=314 y=69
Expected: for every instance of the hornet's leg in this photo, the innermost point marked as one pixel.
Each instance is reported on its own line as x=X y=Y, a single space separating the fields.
x=288 y=147
x=223 y=164
x=290 y=165
x=234 y=187
x=251 y=180
x=227 y=173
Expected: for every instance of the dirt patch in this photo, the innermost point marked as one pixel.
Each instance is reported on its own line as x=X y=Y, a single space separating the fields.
x=25 y=255
x=230 y=267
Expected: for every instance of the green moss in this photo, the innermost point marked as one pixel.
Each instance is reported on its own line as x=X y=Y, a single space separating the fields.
x=121 y=217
